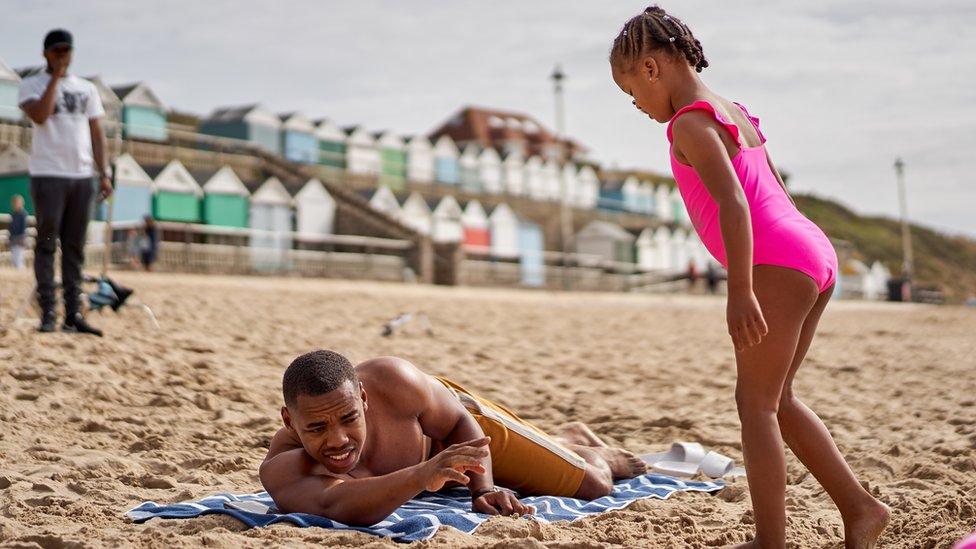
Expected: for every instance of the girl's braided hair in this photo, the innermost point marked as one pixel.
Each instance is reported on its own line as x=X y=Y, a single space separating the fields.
x=655 y=29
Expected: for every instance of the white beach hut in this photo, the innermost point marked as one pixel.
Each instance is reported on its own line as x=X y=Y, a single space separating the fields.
x=490 y=171
x=271 y=215
x=315 y=209
x=534 y=182
x=420 y=159
x=513 y=173
x=362 y=152
x=470 y=168
x=383 y=200
x=416 y=213
x=446 y=221
x=662 y=203
x=504 y=228
x=589 y=188
x=550 y=180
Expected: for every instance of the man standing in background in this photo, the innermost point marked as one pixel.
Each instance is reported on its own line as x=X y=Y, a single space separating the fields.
x=68 y=149
x=18 y=231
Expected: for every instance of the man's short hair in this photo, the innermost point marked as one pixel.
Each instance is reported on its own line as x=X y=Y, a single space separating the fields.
x=316 y=373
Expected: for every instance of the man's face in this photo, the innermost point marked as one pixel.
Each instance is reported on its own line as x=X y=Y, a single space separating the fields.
x=331 y=426
x=60 y=53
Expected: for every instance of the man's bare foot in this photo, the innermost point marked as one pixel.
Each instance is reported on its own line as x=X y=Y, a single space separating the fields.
x=863 y=530
x=623 y=464
x=576 y=432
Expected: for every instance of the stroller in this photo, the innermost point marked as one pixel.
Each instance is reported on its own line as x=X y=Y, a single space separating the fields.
x=105 y=293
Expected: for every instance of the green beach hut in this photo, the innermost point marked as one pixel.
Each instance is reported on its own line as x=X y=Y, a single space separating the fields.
x=9 y=85
x=143 y=114
x=225 y=199
x=393 y=159
x=176 y=194
x=332 y=144
x=14 y=178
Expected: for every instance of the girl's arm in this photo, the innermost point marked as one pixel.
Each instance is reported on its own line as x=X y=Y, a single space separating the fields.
x=696 y=136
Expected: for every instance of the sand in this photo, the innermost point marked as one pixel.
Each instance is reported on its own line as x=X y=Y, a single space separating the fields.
x=91 y=427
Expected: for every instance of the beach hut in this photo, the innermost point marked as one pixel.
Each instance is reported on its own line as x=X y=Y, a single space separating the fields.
x=645 y=198
x=393 y=159
x=332 y=144
x=315 y=209
x=532 y=264
x=176 y=194
x=535 y=184
x=697 y=254
x=9 y=86
x=503 y=226
x=446 y=221
x=513 y=173
x=299 y=142
x=550 y=180
x=662 y=203
x=446 y=169
x=133 y=196
x=477 y=233
x=631 y=194
x=680 y=214
x=470 y=169
x=420 y=159
x=611 y=195
x=14 y=178
x=646 y=259
x=251 y=123
x=662 y=249
x=362 y=154
x=111 y=104
x=143 y=114
x=679 y=250
x=608 y=241
x=225 y=199
x=588 y=188
x=271 y=214
x=416 y=213
x=490 y=170
x=383 y=200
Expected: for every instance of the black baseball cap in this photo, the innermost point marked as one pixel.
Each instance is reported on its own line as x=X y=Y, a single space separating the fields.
x=58 y=37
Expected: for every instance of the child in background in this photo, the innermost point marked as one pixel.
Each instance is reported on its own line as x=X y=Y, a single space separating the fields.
x=781 y=268
x=18 y=231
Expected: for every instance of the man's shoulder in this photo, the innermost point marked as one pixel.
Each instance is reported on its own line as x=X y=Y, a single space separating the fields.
x=393 y=375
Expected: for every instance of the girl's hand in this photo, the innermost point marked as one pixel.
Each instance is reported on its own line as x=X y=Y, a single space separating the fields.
x=746 y=323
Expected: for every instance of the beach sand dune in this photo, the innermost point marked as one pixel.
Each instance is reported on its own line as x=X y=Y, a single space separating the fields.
x=91 y=427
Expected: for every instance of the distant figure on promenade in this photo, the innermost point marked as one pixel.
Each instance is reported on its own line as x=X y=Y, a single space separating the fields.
x=18 y=231
x=68 y=150
x=150 y=242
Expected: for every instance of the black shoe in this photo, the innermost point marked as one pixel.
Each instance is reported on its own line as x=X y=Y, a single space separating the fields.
x=49 y=321
x=77 y=324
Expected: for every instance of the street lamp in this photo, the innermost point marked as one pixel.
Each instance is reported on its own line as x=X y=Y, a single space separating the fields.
x=906 y=235
x=565 y=213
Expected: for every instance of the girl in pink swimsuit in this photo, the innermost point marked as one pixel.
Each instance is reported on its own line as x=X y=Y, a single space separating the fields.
x=781 y=268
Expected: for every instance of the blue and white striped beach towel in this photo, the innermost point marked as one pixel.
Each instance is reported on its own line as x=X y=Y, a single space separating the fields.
x=420 y=518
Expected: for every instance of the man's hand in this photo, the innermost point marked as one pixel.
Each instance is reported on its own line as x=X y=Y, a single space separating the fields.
x=453 y=462
x=104 y=188
x=500 y=502
x=745 y=318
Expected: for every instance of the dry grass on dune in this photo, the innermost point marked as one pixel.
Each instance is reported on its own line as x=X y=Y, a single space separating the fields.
x=92 y=427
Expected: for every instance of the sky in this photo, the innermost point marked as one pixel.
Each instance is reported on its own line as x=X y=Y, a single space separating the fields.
x=843 y=87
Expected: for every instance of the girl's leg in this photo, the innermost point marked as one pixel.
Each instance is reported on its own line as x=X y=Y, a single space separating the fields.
x=786 y=297
x=864 y=516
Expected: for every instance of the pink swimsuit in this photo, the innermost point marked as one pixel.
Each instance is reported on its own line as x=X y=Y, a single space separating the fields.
x=781 y=235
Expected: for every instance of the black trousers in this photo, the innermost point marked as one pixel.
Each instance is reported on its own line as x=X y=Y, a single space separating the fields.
x=62 y=207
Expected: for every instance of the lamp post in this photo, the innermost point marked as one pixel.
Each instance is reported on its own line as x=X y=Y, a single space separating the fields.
x=906 y=235
x=565 y=213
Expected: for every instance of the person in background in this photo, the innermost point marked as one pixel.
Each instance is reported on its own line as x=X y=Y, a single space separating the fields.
x=18 y=231
x=68 y=149
x=150 y=242
x=134 y=243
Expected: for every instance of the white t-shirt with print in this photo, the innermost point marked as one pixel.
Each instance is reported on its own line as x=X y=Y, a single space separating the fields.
x=62 y=144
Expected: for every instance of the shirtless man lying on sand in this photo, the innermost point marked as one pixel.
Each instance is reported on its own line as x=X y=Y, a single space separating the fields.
x=360 y=441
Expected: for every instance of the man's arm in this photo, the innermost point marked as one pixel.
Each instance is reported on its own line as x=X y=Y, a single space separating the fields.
x=40 y=109
x=98 y=151
x=298 y=483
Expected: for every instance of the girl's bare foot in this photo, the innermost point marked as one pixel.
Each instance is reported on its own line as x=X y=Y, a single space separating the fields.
x=862 y=530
